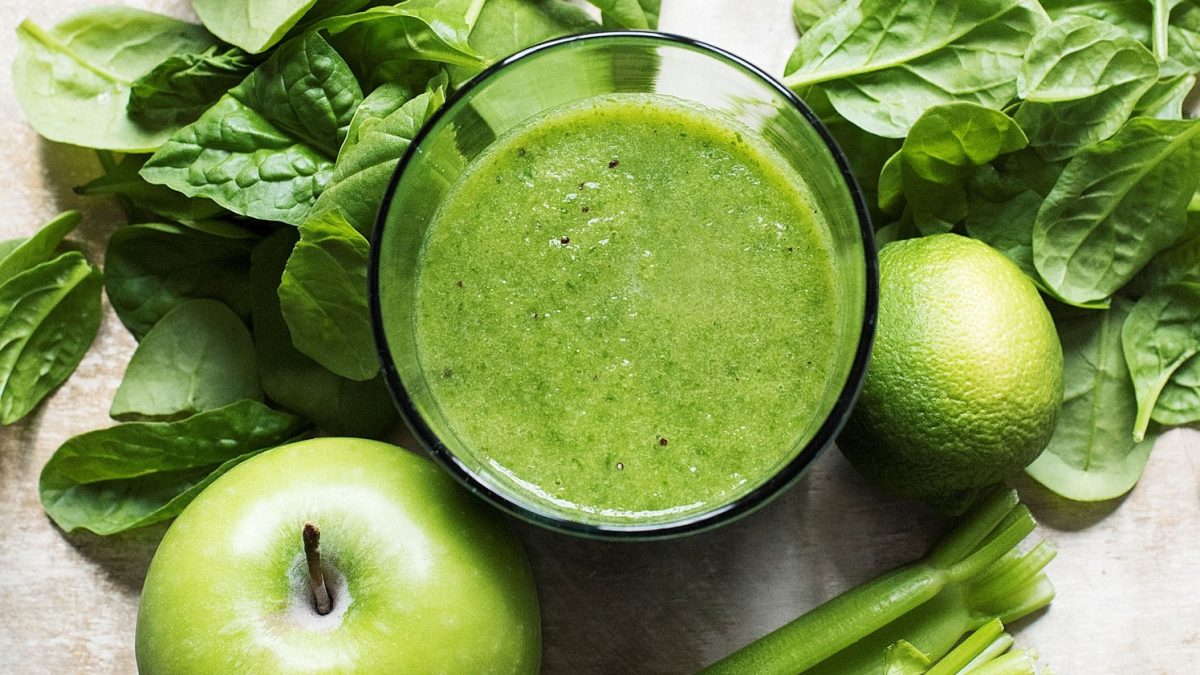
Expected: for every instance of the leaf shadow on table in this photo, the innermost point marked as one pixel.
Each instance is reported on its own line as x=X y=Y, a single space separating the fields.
x=124 y=557
x=65 y=168
x=1058 y=512
x=672 y=606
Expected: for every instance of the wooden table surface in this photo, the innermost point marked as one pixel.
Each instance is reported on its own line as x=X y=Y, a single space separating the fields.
x=1127 y=573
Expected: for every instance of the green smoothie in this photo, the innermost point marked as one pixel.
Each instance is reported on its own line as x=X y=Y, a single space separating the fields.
x=626 y=310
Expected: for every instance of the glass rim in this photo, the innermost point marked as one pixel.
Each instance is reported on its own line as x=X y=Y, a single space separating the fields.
x=742 y=505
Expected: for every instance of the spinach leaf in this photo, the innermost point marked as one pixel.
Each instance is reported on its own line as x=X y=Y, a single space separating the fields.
x=1160 y=335
x=1092 y=455
x=505 y=27
x=138 y=473
x=1137 y=18
x=183 y=86
x=143 y=201
x=636 y=14
x=941 y=153
x=883 y=62
x=296 y=382
x=1178 y=262
x=1001 y=211
x=1164 y=99
x=381 y=43
x=385 y=100
x=806 y=13
x=266 y=149
x=362 y=172
x=28 y=253
x=1179 y=402
x=73 y=81
x=151 y=268
x=198 y=357
x=323 y=297
x=256 y=25
x=1116 y=205
x=49 y=315
x=1080 y=79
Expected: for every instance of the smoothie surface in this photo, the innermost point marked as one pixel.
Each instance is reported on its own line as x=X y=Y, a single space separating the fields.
x=626 y=310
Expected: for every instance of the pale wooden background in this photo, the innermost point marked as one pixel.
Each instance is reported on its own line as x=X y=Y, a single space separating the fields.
x=1128 y=573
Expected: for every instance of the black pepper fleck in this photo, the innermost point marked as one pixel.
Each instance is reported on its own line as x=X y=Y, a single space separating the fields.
x=614 y=163
x=662 y=442
x=585 y=209
x=459 y=283
x=564 y=240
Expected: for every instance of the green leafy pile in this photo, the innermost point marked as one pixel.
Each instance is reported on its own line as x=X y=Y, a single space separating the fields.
x=1056 y=133
x=251 y=155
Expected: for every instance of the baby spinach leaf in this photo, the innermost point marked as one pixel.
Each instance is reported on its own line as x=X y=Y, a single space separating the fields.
x=381 y=43
x=385 y=100
x=941 y=153
x=73 y=81
x=1137 y=18
x=636 y=14
x=266 y=149
x=49 y=315
x=336 y=404
x=1178 y=262
x=806 y=13
x=256 y=25
x=362 y=172
x=151 y=268
x=198 y=357
x=138 y=473
x=883 y=62
x=1179 y=402
x=1080 y=79
x=143 y=201
x=507 y=26
x=27 y=253
x=1164 y=99
x=1092 y=455
x=1001 y=211
x=1116 y=205
x=1160 y=335
x=323 y=296
x=183 y=86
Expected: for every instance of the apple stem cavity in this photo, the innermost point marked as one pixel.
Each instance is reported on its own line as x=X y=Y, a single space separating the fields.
x=316 y=576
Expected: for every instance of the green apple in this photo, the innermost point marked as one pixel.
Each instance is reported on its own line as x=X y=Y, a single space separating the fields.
x=422 y=577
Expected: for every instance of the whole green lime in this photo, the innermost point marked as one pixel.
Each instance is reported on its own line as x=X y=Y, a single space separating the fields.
x=965 y=380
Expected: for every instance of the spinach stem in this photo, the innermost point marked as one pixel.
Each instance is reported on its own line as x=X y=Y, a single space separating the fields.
x=472 y=14
x=1162 y=17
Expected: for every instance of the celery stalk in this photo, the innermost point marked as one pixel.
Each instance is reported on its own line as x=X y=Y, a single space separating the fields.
x=972 y=576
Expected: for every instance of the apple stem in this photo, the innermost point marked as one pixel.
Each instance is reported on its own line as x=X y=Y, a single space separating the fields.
x=316 y=576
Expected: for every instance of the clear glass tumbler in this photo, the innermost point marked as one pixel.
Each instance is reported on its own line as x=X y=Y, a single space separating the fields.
x=564 y=71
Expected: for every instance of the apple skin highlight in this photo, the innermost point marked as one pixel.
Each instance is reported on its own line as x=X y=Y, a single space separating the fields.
x=423 y=576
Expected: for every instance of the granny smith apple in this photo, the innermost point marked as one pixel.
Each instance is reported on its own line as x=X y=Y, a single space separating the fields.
x=417 y=574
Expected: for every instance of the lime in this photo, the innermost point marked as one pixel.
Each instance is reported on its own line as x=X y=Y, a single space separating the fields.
x=965 y=380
